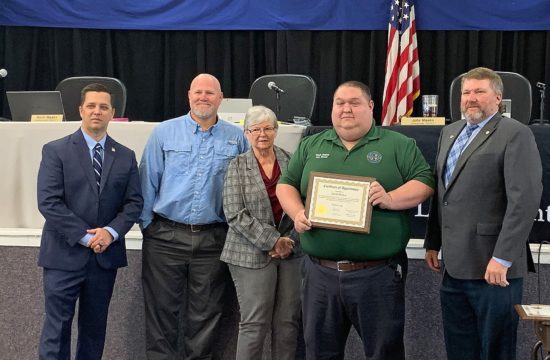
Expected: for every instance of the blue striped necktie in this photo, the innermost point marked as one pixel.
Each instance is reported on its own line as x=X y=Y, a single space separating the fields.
x=98 y=164
x=456 y=150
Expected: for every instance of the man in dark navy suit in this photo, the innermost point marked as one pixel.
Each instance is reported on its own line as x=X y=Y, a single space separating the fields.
x=89 y=193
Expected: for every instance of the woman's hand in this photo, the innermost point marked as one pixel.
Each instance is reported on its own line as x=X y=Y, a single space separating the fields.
x=282 y=248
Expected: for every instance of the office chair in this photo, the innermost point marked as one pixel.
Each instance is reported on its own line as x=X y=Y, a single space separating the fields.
x=297 y=101
x=70 y=94
x=314 y=129
x=516 y=88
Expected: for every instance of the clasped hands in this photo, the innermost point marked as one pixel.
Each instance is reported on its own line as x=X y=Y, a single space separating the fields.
x=282 y=248
x=100 y=241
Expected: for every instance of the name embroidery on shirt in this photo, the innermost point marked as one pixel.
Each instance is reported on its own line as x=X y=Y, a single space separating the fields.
x=322 y=156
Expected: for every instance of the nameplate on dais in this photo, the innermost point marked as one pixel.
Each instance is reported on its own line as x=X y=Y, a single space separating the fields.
x=47 y=118
x=407 y=120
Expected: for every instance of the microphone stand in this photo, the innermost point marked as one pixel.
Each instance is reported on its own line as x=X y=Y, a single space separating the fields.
x=542 y=96
x=278 y=112
x=3 y=74
x=542 y=90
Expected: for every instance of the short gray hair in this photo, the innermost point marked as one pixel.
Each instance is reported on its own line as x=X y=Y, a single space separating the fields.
x=258 y=114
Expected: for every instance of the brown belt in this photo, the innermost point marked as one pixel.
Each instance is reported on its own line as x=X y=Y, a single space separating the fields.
x=346 y=265
x=191 y=227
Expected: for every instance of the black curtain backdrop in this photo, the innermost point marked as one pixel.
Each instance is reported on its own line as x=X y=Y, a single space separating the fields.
x=157 y=66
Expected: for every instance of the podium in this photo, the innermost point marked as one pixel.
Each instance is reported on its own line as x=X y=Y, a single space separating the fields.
x=540 y=314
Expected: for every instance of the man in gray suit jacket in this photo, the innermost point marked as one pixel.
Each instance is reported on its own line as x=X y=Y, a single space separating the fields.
x=488 y=175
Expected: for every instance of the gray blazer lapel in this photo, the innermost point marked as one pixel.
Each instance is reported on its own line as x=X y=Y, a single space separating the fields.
x=253 y=173
x=286 y=226
x=447 y=141
x=282 y=158
x=253 y=169
x=480 y=138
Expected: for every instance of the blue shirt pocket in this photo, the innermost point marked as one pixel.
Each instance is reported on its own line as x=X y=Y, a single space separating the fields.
x=176 y=157
x=223 y=155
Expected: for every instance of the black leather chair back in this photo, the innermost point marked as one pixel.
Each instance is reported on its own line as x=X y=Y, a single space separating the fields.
x=70 y=94
x=298 y=100
x=516 y=88
x=314 y=129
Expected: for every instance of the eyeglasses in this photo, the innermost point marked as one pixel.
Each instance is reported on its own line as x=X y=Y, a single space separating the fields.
x=267 y=130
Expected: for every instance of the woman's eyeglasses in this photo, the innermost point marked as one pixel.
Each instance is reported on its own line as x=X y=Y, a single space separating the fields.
x=267 y=130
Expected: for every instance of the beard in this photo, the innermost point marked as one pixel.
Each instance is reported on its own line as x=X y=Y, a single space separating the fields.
x=474 y=117
x=203 y=114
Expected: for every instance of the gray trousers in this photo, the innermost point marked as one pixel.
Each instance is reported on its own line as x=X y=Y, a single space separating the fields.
x=178 y=262
x=269 y=298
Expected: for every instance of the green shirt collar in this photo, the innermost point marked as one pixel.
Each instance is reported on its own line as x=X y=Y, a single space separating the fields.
x=373 y=134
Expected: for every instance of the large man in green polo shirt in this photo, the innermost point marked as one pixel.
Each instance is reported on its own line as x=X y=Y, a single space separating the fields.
x=353 y=278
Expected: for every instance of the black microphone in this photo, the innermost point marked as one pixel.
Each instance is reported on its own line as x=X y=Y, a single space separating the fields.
x=272 y=86
x=3 y=73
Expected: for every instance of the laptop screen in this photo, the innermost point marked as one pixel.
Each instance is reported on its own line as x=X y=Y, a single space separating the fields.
x=24 y=104
x=234 y=110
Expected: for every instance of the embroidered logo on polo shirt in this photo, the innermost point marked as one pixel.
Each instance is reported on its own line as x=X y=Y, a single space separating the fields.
x=322 y=156
x=374 y=157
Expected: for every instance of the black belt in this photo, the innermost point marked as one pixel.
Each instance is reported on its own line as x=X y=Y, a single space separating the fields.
x=190 y=227
x=346 y=265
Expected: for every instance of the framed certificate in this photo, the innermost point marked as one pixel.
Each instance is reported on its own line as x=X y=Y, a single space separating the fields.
x=339 y=202
x=536 y=312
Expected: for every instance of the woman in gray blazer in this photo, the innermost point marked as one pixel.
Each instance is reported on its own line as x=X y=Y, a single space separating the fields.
x=261 y=248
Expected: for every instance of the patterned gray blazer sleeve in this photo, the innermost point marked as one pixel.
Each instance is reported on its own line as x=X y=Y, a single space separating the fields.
x=247 y=208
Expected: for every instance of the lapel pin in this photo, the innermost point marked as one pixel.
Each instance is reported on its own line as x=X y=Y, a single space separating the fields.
x=452 y=136
x=487 y=132
x=113 y=149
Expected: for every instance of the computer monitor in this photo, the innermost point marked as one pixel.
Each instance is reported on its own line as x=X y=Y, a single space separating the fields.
x=25 y=104
x=233 y=109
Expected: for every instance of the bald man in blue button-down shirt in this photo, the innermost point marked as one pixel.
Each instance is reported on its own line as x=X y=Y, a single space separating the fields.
x=184 y=228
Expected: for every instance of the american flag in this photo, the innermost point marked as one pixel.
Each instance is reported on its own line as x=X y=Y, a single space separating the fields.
x=402 y=83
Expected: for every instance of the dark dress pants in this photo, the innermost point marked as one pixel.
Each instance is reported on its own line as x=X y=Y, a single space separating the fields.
x=479 y=320
x=372 y=300
x=178 y=263
x=93 y=287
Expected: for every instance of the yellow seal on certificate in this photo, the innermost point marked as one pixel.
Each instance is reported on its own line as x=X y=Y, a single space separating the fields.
x=339 y=202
